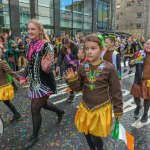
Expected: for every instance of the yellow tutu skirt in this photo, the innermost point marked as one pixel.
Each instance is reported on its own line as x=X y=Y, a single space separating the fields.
x=6 y=92
x=96 y=121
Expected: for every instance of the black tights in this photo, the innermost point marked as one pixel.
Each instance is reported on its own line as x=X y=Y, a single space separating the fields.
x=146 y=104
x=94 y=142
x=36 y=106
x=11 y=107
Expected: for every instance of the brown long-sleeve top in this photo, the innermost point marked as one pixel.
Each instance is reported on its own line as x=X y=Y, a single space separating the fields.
x=108 y=56
x=106 y=84
x=4 y=70
x=146 y=70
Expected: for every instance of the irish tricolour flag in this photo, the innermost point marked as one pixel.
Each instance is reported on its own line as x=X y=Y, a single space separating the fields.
x=121 y=133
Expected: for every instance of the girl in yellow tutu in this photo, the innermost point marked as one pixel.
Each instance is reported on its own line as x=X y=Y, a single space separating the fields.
x=97 y=79
x=6 y=89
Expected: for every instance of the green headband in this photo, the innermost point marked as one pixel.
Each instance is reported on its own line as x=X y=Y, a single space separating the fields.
x=100 y=37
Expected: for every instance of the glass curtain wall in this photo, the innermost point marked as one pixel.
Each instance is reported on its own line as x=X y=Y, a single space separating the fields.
x=103 y=12
x=4 y=16
x=75 y=16
x=46 y=15
x=24 y=11
x=66 y=16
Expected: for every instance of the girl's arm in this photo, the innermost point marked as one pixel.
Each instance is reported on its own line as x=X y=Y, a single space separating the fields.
x=76 y=82
x=115 y=92
x=7 y=69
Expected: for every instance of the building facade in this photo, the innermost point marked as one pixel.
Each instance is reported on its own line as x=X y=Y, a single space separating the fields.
x=132 y=17
x=57 y=16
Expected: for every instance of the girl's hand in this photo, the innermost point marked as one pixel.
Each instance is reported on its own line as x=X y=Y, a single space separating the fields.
x=132 y=62
x=57 y=69
x=69 y=73
x=23 y=81
x=68 y=51
x=118 y=117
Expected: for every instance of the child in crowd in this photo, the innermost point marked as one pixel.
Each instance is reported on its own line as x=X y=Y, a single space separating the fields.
x=95 y=78
x=111 y=55
x=6 y=89
x=141 y=85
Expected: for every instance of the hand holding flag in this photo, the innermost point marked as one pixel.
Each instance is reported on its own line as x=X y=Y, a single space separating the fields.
x=121 y=133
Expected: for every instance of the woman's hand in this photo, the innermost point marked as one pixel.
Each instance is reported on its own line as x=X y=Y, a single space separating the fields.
x=69 y=73
x=46 y=62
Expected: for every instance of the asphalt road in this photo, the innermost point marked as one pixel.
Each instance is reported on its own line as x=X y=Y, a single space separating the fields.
x=65 y=135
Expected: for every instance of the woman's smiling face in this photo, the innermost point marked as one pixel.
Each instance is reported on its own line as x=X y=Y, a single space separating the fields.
x=33 y=31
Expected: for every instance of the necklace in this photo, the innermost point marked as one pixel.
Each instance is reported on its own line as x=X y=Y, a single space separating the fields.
x=92 y=75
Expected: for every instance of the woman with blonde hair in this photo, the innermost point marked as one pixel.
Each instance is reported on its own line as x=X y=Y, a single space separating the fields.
x=40 y=58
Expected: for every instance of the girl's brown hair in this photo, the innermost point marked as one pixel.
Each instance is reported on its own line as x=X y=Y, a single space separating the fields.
x=93 y=38
x=43 y=36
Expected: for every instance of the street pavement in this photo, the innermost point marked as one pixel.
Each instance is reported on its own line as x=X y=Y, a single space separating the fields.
x=65 y=136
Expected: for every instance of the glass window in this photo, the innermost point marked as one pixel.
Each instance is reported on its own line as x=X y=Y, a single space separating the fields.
x=4 y=16
x=24 y=11
x=76 y=14
x=66 y=15
x=88 y=26
x=45 y=3
x=87 y=19
x=78 y=6
x=88 y=8
x=24 y=1
x=65 y=23
x=66 y=5
x=77 y=17
x=46 y=20
x=78 y=25
x=24 y=8
x=46 y=13
x=103 y=15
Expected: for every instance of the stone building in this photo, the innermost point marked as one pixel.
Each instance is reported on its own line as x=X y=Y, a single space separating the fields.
x=133 y=17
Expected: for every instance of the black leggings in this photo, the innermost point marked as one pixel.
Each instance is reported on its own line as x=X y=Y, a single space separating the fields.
x=94 y=142
x=36 y=106
x=146 y=104
x=11 y=107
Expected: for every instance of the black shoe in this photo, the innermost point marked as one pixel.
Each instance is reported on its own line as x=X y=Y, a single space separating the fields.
x=125 y=70
x=137 y=111
x=15 y=118
x=71 y=98
x=144 y=118
x=130 y=71
x=31 y=142
x=60 y=115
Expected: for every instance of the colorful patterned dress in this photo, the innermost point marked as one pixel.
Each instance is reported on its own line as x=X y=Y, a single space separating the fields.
x=38 y=87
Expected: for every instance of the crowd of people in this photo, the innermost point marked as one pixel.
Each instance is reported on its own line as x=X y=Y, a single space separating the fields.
x=90 y=64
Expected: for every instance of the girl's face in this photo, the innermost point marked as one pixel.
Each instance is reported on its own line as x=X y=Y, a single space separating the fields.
x=81 y=54
x=108 y=43
x=147 y=46
x=130 y=39
x=33 y=31
x=92 y=50
x=116 y=44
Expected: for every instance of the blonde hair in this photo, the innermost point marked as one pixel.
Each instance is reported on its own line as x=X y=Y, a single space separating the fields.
x=43 y=35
